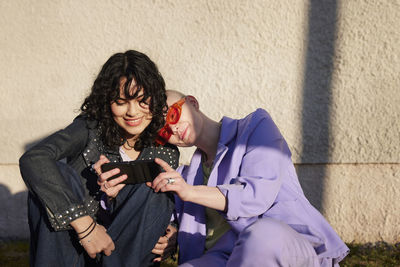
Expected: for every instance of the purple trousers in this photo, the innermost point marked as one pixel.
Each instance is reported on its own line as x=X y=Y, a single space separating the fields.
x=267 y=242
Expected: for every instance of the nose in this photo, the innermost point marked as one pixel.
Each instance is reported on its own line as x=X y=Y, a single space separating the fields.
x=174 y=128
x=132 y=108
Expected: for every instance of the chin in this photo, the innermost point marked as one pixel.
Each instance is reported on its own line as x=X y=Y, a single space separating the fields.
x=186 y=144
x=183 y=145
x=179 y=143
x=135 y=132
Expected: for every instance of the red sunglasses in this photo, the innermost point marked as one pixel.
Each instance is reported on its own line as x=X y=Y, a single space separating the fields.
x=173 y=116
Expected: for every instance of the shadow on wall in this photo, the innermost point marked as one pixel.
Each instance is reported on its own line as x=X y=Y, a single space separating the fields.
x=317 y=98
x=14 y=217
x=14 y=214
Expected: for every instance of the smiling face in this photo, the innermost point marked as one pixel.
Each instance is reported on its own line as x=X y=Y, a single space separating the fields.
x=187 y=129
x=132 y=115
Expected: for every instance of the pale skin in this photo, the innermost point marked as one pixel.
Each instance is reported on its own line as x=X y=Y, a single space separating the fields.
x=133 y=117
x=193 y=129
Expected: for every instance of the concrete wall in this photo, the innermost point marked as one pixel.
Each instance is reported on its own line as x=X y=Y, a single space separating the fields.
x=327 y=71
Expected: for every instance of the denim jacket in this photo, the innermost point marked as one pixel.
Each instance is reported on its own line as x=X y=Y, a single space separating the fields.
x=80 y=144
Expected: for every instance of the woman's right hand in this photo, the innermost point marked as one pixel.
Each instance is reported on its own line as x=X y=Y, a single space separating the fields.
x=112 y=187
x=94 y=240
x=97 y=242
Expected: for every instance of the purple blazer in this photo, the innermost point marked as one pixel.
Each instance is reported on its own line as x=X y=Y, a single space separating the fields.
x=253 y=169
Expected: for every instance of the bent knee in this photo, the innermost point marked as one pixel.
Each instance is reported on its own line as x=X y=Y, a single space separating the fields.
x=266 y=236
x=267 y=227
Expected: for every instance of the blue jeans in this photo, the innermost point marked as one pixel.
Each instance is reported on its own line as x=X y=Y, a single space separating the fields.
x=135 y=224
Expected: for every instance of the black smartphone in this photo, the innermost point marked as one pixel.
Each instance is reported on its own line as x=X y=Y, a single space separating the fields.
x=138 y=171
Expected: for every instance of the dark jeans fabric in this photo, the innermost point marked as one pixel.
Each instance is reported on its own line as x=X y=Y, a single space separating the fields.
x=135 y=224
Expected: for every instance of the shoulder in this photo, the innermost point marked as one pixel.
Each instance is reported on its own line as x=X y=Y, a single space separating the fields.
x=263 y=132
x=259 y=128
x=86 y=129
x=168 y=153
x=260 y=118
x=64 y=143
x=256 y=117
x=83 y=120
x=241 y=128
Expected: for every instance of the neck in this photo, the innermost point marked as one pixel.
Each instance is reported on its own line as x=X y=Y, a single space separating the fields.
x=129 y=143
x=208 y=139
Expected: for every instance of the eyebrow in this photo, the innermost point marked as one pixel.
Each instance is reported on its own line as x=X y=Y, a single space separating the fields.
x=139 y=96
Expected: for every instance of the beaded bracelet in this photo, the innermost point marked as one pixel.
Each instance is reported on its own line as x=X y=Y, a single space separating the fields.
x=86 y=228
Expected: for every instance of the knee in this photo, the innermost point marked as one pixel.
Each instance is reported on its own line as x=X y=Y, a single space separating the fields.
x=265 y=236
x=273 y=243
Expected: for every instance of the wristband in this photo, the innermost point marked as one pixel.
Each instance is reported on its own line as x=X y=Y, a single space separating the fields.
x=91 y=230
x=86 y=228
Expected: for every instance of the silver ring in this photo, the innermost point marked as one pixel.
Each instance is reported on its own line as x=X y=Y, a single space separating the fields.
x=170 y=180
x=105 y=185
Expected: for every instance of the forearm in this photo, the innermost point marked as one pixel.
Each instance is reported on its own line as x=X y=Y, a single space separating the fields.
x=203 y=195
x=207 y=196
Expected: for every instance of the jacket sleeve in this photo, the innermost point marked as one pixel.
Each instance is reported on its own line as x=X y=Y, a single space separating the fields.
x=263 y=165
x=40 y=171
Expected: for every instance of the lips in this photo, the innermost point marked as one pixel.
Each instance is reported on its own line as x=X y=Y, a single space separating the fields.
x=133 y=122
x=183 y=134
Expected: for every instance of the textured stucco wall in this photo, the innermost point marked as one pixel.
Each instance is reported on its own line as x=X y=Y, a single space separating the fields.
x=327 y=71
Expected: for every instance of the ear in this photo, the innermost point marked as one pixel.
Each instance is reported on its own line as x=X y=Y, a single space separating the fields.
x=193 y=101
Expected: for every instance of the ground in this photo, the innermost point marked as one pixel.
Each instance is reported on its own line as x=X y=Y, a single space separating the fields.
x=15 y=254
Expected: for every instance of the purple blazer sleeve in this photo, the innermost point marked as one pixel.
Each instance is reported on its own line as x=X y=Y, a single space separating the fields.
x=262 y=166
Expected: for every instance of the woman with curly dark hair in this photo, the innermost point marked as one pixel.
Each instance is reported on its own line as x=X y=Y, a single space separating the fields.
x=76 y=216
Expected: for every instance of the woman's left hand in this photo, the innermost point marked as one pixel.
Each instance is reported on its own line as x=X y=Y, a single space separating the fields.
x=170 y=180
x=166 y=245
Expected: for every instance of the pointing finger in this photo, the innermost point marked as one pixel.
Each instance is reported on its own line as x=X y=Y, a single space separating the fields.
x=163 y=164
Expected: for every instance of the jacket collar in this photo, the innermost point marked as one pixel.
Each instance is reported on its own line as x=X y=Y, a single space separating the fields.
x=195 y=172
x=228 y=130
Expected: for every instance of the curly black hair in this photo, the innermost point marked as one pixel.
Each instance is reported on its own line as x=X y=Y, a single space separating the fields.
x=137 y=67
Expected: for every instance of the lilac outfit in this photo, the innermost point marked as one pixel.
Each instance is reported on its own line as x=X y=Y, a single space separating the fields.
x=272 y=222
